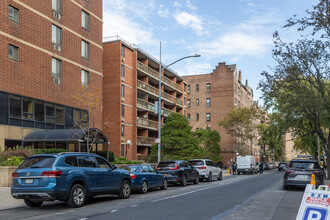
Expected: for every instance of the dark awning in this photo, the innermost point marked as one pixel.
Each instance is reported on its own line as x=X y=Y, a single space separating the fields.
x=95 y=135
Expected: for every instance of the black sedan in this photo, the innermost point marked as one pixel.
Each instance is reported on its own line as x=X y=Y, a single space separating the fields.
x=178 y=172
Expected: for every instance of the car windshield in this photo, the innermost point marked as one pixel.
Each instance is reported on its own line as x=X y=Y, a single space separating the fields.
x=282 y=165
x=304 y=165
x=166 y=164
x=129 y=168
x=196 y=162
x=37 y=162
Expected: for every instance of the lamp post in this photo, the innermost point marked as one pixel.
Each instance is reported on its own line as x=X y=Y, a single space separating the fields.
x=127 y=146
x=160 y=92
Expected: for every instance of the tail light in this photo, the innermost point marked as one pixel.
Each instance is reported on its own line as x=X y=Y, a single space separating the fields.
x=251 y=165
x=157 y=168
x=14 y=174
x=52 y=173
x=133 y=176
x=317 y=172
x=201 y=168
x=289 y=171
x=175 y=168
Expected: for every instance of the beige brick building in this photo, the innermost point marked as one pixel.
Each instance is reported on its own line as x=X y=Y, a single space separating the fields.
x=211 y=96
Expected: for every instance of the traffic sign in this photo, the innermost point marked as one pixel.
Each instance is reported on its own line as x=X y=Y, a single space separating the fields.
x=157 y=140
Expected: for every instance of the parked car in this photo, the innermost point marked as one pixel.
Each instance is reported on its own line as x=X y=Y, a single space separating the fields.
x=266 y=166
x=282 y=166
x=70 y=177
x=246 y=164
x=207 y=169
x=145 y=177
x=178 y=171
x=299 y=173
x=271 y=166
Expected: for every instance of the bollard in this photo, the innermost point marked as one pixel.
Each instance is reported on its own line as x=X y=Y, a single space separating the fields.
x=313 y=179
x=229 y=171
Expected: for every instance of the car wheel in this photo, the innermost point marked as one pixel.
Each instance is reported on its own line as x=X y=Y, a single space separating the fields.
x=125 y=190
x=196 y=180
x=220 y=176
x=238 y=173
x=77 y=196
x=209 y=179
x=165 y=184
x=32 y=203
x=183 y=181
x=285 y=187
x=144 y=187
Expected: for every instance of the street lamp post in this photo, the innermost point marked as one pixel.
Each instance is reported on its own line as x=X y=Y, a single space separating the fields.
x=160 y=92
x=127 y=146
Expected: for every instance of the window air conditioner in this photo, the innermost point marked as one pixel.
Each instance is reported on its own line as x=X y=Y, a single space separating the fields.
x=57 y=15
x=56 y=80
x=57 y=47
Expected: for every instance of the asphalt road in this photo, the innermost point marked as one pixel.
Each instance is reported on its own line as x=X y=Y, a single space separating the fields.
x=236 y=197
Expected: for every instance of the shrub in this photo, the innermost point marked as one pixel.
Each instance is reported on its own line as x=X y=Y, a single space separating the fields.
x=104 y=154
x=12 y=161
x=123 y=160
x=49 y=151
x=17 y=152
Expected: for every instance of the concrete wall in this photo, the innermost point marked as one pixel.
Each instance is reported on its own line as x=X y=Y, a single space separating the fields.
x=13 y=133
x=5 y=176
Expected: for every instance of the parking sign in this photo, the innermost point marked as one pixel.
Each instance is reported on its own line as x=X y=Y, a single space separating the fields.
x=315 y=214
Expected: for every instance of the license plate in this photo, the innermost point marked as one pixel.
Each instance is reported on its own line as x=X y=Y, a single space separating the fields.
x=302 y=177
x=165 y=174
x=28 y=181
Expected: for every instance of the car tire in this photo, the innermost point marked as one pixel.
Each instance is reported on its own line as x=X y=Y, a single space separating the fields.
x=209 y=178
x=196 y=180
x=125 y=190
x=77 y=196
x=238 y=173
x=31 y=203
x=285 y=187
x=183 y=181
x=144 y=187
x=165 y=185
x=220 y=176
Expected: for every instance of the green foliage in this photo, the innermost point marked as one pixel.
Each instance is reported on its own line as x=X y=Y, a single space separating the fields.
x=104 y=154
x=49 y=151
x=209 y=140
x=11 y=161
x=123 y=160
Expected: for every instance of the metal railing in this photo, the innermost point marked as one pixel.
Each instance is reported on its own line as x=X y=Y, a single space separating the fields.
x=151 y=107
x=145 y=140
x=172 y=84
x=147 y=123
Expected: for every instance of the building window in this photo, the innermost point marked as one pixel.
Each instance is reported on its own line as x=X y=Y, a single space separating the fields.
x=56 y=35
x=188 y=117
x=15 y=107
x=197 y=102
x=208 y=116
x=188 y=89
x=13 y=14
x=84 y=49
x=122 y=110
x=59 y=115
x=122 y=91
x=123 y=71
x=28 y=111
x=39 y=111
x=197 y=87
x=56 y=68
x=188 y=103
x=122 y=150
x=208 y=87
x=185 y=87
x=184 y=100
x=13 y=52
x=122 y=50
x=85 y=20
x=197 y=117
x=57 y=6
x=184 y=112
x=122 y=130
x=84 y=78
x=208 y=102
x=50 y=113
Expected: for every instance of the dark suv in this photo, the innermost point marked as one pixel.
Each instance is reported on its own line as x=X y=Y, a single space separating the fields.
x=70 y=177
x=299 y=173
x=179 y=171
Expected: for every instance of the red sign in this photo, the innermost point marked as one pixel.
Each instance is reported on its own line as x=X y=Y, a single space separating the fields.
x=318 y=201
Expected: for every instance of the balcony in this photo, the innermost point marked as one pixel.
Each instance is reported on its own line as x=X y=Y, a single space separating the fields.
x=147 y=141
x=151 y=107
x=172 y=84
x=141 y=122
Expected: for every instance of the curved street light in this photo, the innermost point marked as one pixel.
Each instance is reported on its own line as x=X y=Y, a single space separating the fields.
x=160 y=93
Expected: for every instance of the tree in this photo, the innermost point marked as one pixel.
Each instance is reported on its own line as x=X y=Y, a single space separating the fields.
x=177 y=140
x=299 y=87
x=209 y=140
x=241 y=124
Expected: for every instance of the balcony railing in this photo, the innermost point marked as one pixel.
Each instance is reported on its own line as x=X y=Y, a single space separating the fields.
x=151 y=107
x=147 y=123
x=171 y=83
x=145 y=140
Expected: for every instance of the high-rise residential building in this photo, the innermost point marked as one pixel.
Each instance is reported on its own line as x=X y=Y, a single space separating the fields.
x=211 y=96
x=49 y=49
x=130 y=94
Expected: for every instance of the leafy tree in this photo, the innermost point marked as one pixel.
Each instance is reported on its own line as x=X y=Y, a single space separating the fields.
x=241 y=123
x=209 y=140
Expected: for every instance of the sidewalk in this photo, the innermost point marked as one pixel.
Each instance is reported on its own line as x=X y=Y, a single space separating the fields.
x=7 y=201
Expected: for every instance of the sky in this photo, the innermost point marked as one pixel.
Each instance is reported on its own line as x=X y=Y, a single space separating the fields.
x=233 y=31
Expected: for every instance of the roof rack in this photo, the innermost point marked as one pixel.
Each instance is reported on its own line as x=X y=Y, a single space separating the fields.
x=63 y=153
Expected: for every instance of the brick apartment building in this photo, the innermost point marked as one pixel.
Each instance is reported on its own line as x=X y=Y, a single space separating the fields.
x=211 y=96
x=130 y=90
x=49 y=49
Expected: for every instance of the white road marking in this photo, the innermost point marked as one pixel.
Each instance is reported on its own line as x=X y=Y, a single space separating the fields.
x=133 y=206
x=114 y=211
x=83 y=219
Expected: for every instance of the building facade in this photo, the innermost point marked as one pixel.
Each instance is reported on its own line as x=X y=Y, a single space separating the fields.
x=49 y=50
x=130 y=94
x=211 y=96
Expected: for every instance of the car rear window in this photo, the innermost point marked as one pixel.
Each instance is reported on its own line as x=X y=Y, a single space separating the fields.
x=166 y=164
x=130 y=169
x=304 y=165
x=38 y=162
x=196 y=162
x=282 y=165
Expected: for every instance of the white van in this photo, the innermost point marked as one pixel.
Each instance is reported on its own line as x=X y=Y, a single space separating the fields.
x=246 y=164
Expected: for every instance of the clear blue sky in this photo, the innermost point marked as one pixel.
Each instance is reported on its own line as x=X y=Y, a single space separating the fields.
x=232 y=31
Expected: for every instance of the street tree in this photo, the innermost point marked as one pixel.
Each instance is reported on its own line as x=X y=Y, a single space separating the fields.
x=209 y=140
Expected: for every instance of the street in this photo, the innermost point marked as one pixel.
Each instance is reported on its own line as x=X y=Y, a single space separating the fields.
x=235 y=197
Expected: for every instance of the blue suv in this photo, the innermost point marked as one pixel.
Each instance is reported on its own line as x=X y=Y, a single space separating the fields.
x=70 y=177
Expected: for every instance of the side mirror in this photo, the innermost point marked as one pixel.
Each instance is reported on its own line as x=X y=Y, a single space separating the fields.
x=114 y=167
